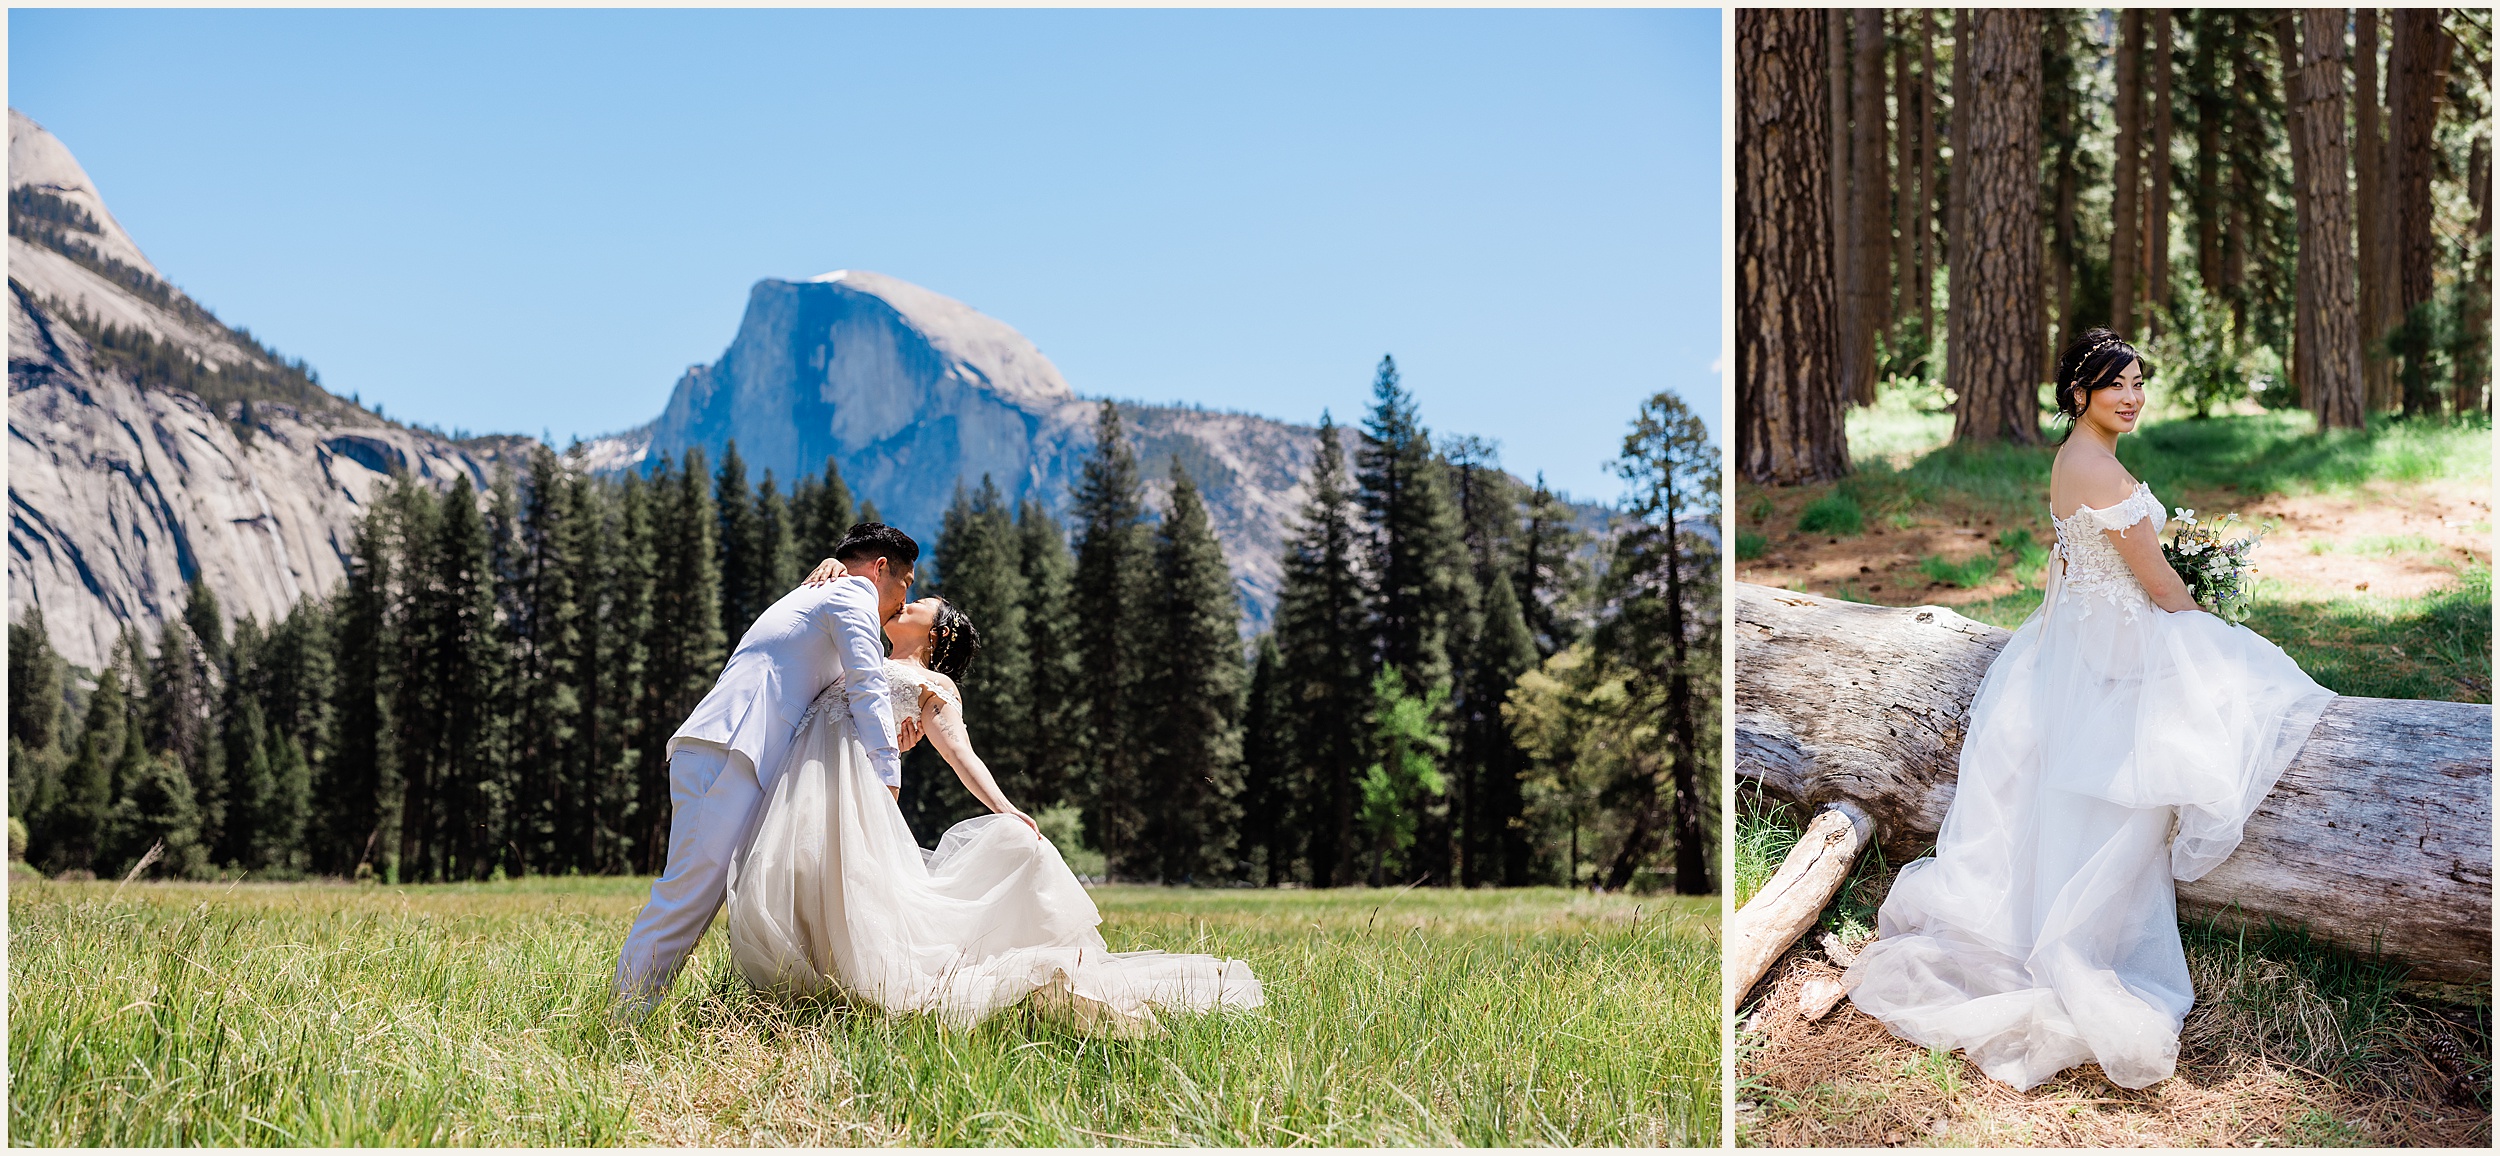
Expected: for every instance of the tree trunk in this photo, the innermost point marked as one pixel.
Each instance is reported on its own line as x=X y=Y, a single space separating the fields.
x=2205 y=194
x=2413 y=86
x=1995 y=305
x=2473 y=361
x=1789 y=402
x=1869 y=278
x=2329 y=348
x=1924 y=194
x=1844 y=218
x=2126 y=211
x=2157 y=207
x=1905 y=161
x=2378 y=836
x=2369 y=153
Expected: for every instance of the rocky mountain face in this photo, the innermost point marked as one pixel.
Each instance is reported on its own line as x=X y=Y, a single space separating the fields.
x=912 y=394
x=120 y=493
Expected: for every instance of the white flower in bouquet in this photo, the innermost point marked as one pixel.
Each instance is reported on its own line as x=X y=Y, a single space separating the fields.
x=2216 y=568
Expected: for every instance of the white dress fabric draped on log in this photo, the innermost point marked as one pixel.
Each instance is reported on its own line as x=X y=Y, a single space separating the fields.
x=832 y=894
x=2113 y=747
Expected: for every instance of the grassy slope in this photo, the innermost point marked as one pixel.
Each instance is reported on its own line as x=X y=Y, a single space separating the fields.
x=322 y=1014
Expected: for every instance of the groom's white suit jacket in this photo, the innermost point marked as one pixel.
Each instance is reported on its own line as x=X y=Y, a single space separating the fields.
x=812 y=637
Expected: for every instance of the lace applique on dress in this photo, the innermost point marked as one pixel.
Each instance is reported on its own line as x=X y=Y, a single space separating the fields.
x=2094 y=567
x=904 y=683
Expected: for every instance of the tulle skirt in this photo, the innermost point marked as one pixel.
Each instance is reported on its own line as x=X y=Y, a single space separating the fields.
x=2108 y=754
x=831 y=894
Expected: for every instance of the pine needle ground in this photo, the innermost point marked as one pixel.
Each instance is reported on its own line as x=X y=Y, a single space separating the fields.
x=2290 y=1043
x=309 y=1014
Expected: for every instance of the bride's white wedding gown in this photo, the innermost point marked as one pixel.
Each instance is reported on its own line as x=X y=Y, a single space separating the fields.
x=832 y=894
x=2113 y=747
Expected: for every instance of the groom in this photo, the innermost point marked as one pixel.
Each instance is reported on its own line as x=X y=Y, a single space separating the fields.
x=724 y=759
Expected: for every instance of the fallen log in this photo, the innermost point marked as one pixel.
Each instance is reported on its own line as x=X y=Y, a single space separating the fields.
x=2377 y=837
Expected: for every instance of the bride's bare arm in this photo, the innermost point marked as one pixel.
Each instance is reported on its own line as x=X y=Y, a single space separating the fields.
x=2141 y=547
x=943 y=722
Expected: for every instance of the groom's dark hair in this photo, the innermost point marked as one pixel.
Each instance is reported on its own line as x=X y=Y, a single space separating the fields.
x=877 y=540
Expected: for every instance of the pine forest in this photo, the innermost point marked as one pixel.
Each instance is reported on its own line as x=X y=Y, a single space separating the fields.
x=2284 y=207
x=1469 y=681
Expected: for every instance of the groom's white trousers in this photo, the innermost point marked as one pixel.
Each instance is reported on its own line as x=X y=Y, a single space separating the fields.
x=715 y=798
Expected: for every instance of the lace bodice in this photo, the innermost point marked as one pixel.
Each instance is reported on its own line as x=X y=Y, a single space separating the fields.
x=2093 y=566
x=905 y=682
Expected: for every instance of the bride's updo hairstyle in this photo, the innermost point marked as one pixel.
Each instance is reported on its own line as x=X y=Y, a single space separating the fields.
x=2093 y=362
x=952 y=642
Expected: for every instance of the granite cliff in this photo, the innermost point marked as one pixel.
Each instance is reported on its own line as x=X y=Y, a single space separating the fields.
x=121 y=489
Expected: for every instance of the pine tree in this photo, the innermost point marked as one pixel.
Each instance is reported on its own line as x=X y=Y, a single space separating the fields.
x=1322 y=657
x=1111 y=563
x=280 y=840
x=1418 y=567
x=207 y=623
x=980 y=570
x=1193 y=691
x=1488 y=754
x=1268 y=782
x=1549 y=577
x=156 y=806
x=737 y=543
x=73 y=828
x=1053 y=723
x=360 y=789
x=1422 y=586
x=246 y=839
x=178 y=722
x=35 y=711
x=455 y=744
x=684 y=641
x=777 y=567
x=1663 y=588
x=820 y=513
x=547 y=624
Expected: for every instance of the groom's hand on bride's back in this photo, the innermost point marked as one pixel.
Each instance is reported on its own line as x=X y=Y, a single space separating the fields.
x=825 y=571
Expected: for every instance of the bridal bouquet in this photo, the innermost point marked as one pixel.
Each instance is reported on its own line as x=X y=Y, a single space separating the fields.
x=2215 y=566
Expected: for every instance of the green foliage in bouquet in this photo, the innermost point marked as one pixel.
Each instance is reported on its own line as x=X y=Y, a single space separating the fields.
x=2216 y=567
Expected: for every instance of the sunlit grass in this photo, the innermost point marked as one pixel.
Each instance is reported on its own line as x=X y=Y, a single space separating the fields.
x=476 y=1015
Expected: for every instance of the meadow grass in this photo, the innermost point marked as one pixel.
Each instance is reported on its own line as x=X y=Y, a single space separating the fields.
x=180 y=1014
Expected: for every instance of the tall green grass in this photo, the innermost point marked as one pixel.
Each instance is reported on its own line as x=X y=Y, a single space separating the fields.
x=175 y=1014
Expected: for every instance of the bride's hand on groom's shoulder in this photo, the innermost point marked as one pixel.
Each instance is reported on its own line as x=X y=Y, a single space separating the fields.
x=825 y=571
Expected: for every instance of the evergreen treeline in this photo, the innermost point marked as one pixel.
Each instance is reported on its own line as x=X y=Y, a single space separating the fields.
x=1461 y=687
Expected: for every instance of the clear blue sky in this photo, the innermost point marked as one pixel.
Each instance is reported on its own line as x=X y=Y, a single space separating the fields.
x=534 y=221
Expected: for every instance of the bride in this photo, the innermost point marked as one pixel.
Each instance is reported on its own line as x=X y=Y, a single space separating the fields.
x=832 y=894
x=2117 y=743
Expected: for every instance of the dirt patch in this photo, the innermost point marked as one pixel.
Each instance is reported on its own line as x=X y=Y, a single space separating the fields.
x=1845 y=1081
x=2390 y=540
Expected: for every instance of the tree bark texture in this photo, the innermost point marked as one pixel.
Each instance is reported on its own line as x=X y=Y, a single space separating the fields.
x=1789 y=400
x=2415 y=65
x=1869 y=277
x=1924 y=193
x=2157 y=207
x=2473 y=361
x=1905 y=159
x=1995 y=308
x=1844 y=243
x=2377 y=837
x=2369 y=152
x=2126 y=210
x=2327 y=350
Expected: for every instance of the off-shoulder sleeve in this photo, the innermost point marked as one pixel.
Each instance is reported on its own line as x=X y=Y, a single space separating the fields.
x=944 y=690
x=2126 y=515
